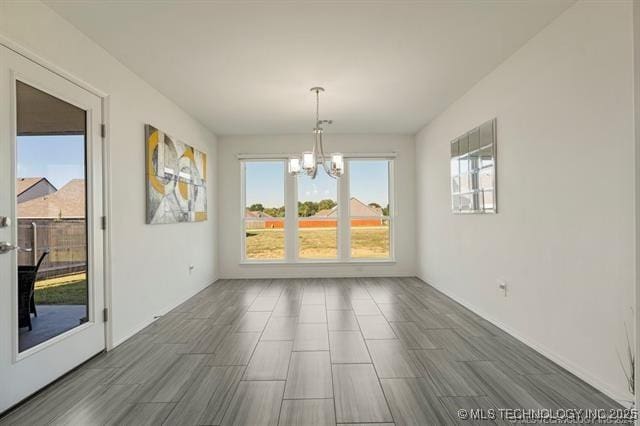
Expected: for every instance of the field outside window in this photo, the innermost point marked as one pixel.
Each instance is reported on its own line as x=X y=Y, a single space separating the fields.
x=264 y=213
x=369 y=209
x=317 y=217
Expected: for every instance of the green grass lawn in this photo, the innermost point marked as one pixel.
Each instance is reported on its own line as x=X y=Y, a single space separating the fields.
x=61 y=292
x=265 y=244
x=319 y=243
x=370 y=242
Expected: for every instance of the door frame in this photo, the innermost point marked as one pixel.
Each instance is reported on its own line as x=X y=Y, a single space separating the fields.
x=106 y=173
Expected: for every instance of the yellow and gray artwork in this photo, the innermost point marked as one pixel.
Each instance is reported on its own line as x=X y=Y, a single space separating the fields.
x=176 y=180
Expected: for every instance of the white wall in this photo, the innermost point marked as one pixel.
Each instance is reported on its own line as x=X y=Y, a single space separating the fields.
x=564 y=234
x=150 y=263
x=229 y=203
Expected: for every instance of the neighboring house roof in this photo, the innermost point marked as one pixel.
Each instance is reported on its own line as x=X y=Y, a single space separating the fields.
x=68 y=202
x=377 y=209
x=326 y=213
x=256 y=214
x=356 y=208
x=24 y=184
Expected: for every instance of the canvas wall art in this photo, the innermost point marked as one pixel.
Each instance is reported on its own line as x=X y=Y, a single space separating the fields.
x=176 y=180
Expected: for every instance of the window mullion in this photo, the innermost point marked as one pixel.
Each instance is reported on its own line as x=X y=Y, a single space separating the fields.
x=344 y=232
x=291 y=217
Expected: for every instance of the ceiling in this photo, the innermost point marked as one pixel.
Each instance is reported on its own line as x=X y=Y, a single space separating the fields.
x=244 y=67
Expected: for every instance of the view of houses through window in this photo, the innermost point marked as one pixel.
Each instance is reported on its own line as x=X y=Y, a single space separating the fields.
x=318 y=215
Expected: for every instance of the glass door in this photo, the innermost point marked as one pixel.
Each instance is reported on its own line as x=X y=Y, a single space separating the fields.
x=51 y=199
x=51 y=254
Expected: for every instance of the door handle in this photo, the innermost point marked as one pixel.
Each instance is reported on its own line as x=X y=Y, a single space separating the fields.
x=5 y=247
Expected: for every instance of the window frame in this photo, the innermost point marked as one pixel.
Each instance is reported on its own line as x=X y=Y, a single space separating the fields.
x=343 y=229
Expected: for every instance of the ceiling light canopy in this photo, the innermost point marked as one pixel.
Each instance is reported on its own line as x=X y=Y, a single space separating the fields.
x=309 y=161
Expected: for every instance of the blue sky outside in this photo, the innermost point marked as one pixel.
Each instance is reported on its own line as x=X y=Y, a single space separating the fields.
x=369 y=182
x=58 y=158
x=264 y=183
x=61 y=158
x=323 y=187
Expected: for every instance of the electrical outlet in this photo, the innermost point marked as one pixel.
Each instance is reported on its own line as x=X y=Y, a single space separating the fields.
x=502 y=286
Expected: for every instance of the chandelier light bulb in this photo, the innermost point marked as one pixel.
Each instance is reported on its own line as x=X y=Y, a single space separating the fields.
x=308 y=160
x=337 y=164
x=294 y=166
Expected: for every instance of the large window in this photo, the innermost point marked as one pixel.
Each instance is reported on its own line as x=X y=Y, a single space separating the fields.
x=317 y=217
x=369 y=206
x=339 y=220
x=264 y=195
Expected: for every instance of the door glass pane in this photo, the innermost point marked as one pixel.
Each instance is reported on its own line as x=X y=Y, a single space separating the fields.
x=369 y=208
x=51 y=213
x=318 y=217
x=264 y=210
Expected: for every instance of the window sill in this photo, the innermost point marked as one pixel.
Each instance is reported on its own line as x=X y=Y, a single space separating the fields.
x=318 y=262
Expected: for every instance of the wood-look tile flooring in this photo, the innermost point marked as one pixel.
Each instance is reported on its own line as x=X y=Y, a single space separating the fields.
x=309 y=352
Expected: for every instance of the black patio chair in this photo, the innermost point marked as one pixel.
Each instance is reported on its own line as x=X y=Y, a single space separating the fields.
x=27 y=275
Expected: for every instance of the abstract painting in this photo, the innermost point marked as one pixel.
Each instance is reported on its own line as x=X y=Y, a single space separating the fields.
x=176 y=179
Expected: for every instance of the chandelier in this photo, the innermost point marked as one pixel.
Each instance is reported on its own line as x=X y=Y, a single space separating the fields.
x=309 y=161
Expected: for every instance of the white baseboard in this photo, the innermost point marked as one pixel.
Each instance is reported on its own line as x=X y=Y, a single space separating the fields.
x=558 y=359
x=132 y=333
x=311 y=274
x=135 y=330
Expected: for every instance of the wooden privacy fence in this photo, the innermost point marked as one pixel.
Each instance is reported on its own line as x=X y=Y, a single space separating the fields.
x=65 y=239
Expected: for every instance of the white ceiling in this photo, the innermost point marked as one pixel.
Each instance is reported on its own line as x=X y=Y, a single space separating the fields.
x=246 y=67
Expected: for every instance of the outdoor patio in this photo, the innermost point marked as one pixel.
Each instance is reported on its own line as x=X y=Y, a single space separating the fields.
x=51 y=321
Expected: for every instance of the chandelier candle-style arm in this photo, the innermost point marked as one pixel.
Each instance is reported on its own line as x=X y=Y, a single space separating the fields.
x=309 y=160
